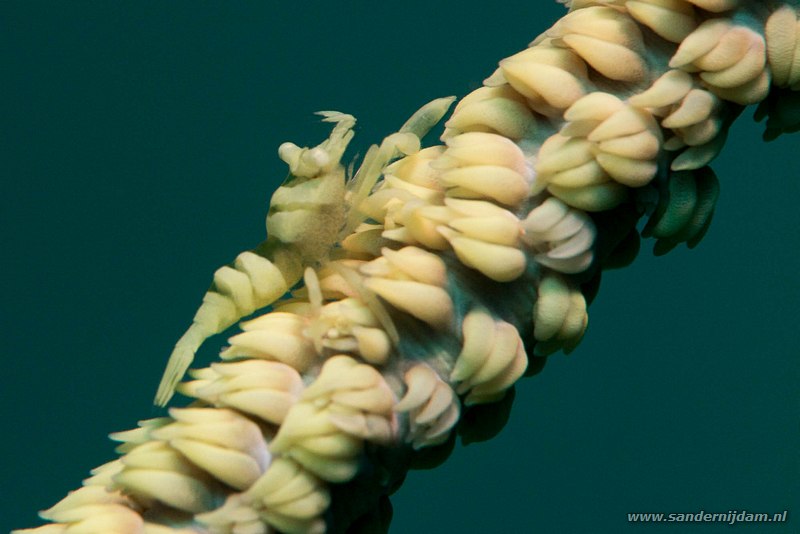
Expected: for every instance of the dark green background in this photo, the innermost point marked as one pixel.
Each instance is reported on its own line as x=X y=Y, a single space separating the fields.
x=138 y=154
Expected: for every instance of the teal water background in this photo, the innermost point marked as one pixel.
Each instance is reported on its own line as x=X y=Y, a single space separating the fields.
x=139 y=153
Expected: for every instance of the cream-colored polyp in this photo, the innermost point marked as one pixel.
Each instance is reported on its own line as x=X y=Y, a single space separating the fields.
x=433 y=276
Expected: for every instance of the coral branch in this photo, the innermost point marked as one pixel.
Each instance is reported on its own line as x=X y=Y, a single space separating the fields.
x=393 y=297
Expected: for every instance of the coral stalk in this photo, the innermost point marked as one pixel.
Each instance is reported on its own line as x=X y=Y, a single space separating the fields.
x=435 y=277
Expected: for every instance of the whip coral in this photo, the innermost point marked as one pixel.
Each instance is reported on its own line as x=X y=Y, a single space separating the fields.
x=417 y=303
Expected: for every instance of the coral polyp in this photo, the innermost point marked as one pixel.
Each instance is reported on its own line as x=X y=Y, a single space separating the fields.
x=397 y=300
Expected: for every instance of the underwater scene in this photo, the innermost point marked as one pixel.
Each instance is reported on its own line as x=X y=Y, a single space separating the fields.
x=140 y=148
